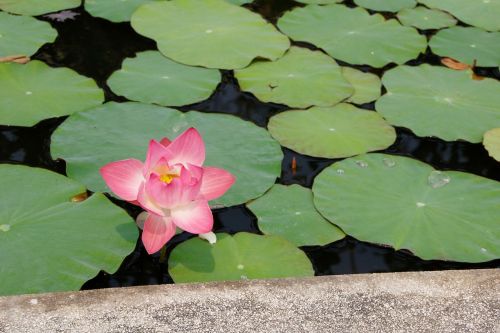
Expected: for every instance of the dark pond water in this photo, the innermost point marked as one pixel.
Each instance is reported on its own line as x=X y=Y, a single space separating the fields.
x=95 y=47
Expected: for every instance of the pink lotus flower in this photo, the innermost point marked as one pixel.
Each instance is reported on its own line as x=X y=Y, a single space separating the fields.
x=171 y=185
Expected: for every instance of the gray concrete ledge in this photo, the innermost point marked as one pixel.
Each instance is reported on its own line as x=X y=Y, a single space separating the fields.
x=447 y=301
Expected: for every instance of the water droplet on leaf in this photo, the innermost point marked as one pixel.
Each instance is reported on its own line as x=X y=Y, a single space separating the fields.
x=438 y=179
x=240 y=266
x=4 y=227
x=340 y=171
x=389 y=162
x=361 y=164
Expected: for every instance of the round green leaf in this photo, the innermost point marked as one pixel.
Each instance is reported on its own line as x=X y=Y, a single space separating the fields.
x=114 y=10
x=424 y=18
x=480 y=13
x=209 y=33
x=408 y=205
x=22 y=35
x=339 y=131
x=300 y=78
x=37 y=7
x=88 y=140
x=288 y=212
x=367 y=86
x=152 y=78
x=437 y=101
x=386 y=5
x=491 y=142
x=353 y=35
x=467 y=45
x=239 y=257
x=35 y=91
x=49 y=243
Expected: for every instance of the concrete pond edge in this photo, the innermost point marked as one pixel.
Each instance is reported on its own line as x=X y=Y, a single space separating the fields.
x=441 y=301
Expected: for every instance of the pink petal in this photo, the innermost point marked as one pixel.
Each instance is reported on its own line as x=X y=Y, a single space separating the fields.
x=165 y=142
x=157 y=231
x=215 y=182
x=195 y=217
x=156 y=151
x=188 y=148
x=179 y=192
x=146 y=202
x=124 y=178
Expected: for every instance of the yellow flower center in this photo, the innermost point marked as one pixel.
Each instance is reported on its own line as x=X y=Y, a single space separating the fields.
x=168 y=177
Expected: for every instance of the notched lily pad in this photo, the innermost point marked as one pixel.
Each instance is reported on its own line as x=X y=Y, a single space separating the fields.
x=88 y=140
x=407 y=204
x=468 y=45
x=48 y=242
x=288 y=212
x=152 y=78
x=424 y=18
x=386 y=5
x=300 y=78
x=22 y=35
x=224 y=35
x=37 y=7
x=35 y=91
x=353 y=35
x=437 y=101
x=335 y=132
x=240 y=257
x=480 y=13
x=367 y=86
x=491 y=142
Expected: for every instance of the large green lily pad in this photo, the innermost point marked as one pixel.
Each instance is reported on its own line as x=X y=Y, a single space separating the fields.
x=49 y=243
x=467 y=45
x=424 y=18
x=88 y=140
x=288 y=212
x=209 y=33
x=408 y=205
x=37 y=7
x=353 y=35
x=367 y=86
x=339 y=131
x=300 y=78
x=491 y=142
x=114 y=10
x=480 y=13
x=386 y=5
x=35 y=91
x=239 y=257
x=152 y=78
x=22 y=35
x=437 y=101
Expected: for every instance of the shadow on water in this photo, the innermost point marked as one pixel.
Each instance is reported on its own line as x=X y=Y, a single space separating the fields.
x=96 y=48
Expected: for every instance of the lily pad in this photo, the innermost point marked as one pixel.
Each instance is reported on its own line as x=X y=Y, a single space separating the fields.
x=88 y=140
x=367 y=86
x=22 y=35
x=239 y=257
x=300 y=78
x=424 y=18
x=437 y=101
x=339 y=131
x=480 y=13
x=37 y=7
x=224 y=35
x=408 y=205
x=35 y=91
x=288 y=212
x=386 y=5
x=49 y=243
x=467 y=45
x=152 y=78
x=114 y=10
x=353 y=35
x=491 y=142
